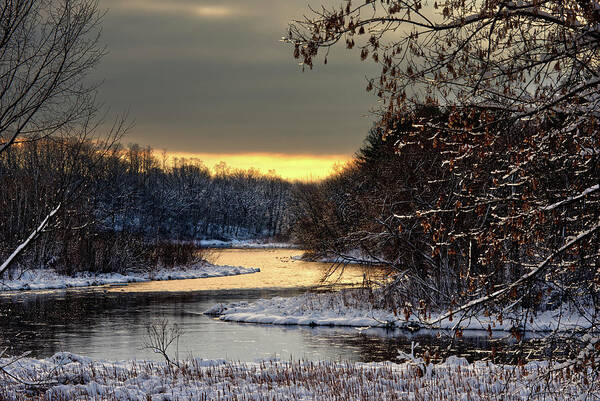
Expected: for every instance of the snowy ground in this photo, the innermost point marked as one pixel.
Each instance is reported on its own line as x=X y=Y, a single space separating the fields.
x=70 y=377
x=49 y=279
x=347 y=308
x=355 y=256
x=245 y=244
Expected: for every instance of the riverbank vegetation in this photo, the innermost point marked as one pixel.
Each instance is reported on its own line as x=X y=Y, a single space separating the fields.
x=124 y=208
x=456 y=234
x=479 y=184
x=70 y=377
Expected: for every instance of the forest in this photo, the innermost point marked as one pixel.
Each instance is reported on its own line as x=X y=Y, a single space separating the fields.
x=124 y=207
x=480 y=181
x=462 y=229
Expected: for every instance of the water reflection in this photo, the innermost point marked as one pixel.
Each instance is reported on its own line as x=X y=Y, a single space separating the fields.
x=279 y=268
x=112 y=326
x=109 y=323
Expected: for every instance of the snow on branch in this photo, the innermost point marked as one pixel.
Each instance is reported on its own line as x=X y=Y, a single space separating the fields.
x=31 y=237
x=539 y=269
x=572 y=198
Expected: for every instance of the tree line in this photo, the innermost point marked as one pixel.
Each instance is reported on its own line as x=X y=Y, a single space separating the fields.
x=126 y=207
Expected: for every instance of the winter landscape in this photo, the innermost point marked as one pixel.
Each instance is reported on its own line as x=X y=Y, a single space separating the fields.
x=200 y=200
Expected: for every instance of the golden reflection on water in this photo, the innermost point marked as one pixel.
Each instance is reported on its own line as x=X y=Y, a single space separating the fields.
x=277 y=269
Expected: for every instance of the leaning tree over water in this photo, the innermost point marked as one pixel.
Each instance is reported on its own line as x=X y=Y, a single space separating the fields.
x=48 y=48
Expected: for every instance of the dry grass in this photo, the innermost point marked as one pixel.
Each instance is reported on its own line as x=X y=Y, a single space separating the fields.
x=277 y=381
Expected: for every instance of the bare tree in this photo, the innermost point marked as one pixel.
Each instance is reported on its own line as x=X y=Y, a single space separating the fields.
x=159 y=337
x=525 y=57
x=47 y=49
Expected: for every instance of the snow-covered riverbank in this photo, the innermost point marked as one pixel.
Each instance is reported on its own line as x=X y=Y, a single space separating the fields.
x=355 y=256
x=348 y=308
x=245 y=244
x=48 y=279
x=71 y=377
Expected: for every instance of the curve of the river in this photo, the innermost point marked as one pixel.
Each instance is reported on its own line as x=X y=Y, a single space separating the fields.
x=110 y=322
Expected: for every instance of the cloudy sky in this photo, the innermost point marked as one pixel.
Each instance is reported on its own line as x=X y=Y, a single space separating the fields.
x=210 y=78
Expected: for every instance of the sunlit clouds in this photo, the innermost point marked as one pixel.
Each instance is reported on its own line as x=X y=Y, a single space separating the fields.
x=292 y=167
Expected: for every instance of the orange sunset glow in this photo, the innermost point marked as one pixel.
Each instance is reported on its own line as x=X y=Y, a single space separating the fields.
x=291 y=167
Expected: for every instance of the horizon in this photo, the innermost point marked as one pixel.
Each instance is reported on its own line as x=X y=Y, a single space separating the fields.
x=291 y=167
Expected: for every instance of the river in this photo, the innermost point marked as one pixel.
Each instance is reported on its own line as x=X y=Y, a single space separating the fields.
x=110 y=322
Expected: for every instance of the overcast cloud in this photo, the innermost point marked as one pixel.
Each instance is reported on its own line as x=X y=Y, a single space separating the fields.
x=200 y=76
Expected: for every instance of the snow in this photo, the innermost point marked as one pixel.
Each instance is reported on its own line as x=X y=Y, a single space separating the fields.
x=31 y=237
x=43 y=279
x=353 y=256
x=245 y=244
x=348 y=308
x=570 y=199
x=67 y=376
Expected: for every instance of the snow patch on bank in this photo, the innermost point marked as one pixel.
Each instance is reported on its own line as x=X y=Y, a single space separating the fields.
x=72 y=377
x=354 y=256
x=344 y=308
x=245 y=244
x=45 y=279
